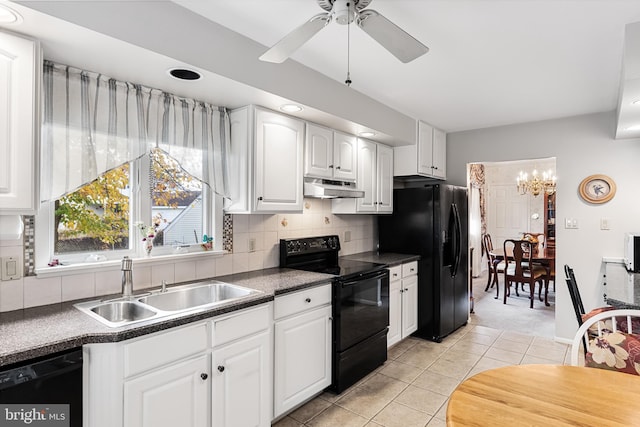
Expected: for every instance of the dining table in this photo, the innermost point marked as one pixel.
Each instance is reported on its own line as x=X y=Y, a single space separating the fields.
x=545 y=395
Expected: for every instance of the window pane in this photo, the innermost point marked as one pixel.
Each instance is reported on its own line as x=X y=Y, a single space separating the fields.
x=96 y=216
x=177 y=205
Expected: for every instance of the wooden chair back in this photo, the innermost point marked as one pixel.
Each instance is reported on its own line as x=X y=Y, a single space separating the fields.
x=521 y=253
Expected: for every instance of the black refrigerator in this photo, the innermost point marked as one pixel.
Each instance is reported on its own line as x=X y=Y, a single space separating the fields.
x=431 y=221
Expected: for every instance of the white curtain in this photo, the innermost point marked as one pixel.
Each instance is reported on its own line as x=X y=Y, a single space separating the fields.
x=93 y=123
x=475 y=230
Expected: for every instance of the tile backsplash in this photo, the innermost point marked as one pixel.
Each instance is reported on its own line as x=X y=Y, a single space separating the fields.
x=254 y=244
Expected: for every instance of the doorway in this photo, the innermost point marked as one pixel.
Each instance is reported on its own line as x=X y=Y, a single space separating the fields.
x=499 y=209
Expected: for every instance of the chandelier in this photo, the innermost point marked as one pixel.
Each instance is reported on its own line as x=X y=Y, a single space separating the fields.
x=536 y=185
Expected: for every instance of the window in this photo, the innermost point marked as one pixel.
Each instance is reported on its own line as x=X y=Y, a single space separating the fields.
x=118 y=158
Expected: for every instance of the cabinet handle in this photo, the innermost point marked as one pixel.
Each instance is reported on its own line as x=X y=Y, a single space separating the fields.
x=435 y=167
x=337 y=167
x=221 y=368
x=395 y=274
x=308 y=300
x=204 y=376
x=401 y=290
x=260 y=198
x=406 y=289
x=411 y=269
x=330 y=166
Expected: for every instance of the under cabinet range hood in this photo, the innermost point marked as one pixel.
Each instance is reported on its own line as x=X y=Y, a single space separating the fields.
x=327 y=189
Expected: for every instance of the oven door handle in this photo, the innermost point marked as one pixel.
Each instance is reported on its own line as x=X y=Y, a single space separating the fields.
x=366 y=276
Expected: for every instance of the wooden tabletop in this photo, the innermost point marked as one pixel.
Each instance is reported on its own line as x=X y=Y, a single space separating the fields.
x=546 y=395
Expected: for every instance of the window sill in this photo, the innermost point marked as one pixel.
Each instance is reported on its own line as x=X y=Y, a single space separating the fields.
x=115 y=264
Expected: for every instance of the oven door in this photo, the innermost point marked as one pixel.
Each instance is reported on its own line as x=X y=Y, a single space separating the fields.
x=361 y=308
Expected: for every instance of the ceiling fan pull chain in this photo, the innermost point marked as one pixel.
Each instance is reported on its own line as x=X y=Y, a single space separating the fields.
x=348 y=81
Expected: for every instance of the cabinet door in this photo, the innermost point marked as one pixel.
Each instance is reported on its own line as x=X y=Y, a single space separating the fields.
x=318 y=152
x=241 y=383
x=278 y=162
x=302 y=358
x=20 y=70
x=384 y=166
x=173 y=396
x=395 y=313
x=409 y=305
x=425 y=149
x=367 y=180
x=239 y=163
x=345 y=155
x=439 y=154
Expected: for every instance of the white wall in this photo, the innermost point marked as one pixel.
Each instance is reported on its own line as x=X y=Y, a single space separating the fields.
x=582 y=146
x=267 y=230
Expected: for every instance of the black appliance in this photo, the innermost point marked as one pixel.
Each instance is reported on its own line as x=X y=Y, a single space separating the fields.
x=360 y=305
x=431 y=221
x=49 y=380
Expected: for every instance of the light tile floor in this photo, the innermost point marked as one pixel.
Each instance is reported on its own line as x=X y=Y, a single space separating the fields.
x=412 y=387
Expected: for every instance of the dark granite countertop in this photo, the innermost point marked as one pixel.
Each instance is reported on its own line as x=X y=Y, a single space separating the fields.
x=388 y=258
x=39 y=331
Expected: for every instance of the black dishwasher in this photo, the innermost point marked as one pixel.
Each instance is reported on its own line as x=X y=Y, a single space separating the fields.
x=35 y=389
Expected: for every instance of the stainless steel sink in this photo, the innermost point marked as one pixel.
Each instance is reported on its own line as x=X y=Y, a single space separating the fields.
x=185 y=298
x=122 y=311
x=189 y=297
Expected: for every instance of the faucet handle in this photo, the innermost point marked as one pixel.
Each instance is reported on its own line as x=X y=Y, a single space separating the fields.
x=126 y=263
x=164 y=286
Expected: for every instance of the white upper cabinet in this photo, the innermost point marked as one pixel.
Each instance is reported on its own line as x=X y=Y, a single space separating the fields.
x=20 y=75
x=427 y=158
x=267 y=148
x=375 y=178
x=330 y=154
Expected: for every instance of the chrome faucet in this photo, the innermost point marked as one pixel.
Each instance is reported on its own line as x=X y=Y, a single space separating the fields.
x=164 y=286
x=127 y=278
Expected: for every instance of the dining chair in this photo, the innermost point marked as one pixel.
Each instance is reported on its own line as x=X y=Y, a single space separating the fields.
x=494 y=265
x=520 y=269
x=610 y=341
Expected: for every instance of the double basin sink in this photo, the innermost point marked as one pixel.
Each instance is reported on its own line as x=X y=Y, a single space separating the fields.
x=174 y=301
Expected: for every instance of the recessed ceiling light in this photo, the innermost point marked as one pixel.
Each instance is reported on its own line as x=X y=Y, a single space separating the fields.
x=367 y=134
x=184 y=74
x=9 y=16
x=634 y=127
x=290 y=108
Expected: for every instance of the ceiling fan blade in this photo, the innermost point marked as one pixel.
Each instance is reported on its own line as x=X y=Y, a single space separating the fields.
x=296 y=38
x=393 y=38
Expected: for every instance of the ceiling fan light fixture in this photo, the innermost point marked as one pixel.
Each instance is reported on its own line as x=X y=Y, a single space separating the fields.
x=291 y=108
x=344 y=11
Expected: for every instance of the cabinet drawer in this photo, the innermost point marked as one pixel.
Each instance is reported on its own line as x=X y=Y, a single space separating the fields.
x=163 y=348
x=241 y=325
x=302 y=300
x=410 y=269
x=395 y=273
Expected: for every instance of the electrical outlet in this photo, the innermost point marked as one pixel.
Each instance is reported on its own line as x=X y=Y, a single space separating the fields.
x=252 y=245
x=347 y=236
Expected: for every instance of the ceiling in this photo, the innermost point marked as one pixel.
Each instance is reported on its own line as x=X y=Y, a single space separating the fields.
x=491 y=62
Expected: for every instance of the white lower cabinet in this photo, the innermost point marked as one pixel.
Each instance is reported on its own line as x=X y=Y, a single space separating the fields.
x=302 y=346
x=214 y=373
x=241 y=383
x=403 y=301
x=174 y=396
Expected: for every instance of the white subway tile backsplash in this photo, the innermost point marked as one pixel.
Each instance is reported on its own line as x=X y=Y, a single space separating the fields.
x=110 y=282
x=185 y=271
x=240 y=262
x=256 y=260
x=240 y=223
x=11 y=295
x=240 y=242
x=42 y=291
x=141 y=277
x=78 y=286
x=270 y=222
x=256 y=223
x=224 y=265
x=205 y=268
x=160 y=272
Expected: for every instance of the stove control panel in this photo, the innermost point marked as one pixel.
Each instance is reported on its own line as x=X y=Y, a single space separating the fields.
x=309 y=245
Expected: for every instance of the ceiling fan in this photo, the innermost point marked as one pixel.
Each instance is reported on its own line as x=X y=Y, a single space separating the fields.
x=393 y=38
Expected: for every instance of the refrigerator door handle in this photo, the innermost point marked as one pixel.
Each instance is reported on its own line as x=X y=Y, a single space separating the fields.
x=456 y=240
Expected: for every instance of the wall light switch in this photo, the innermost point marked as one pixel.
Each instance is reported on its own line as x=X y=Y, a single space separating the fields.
x=604 y=224
x=570 y=223
x=11 y=268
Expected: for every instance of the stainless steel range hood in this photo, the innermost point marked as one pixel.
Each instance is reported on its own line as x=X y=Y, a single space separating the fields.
x=326 y=189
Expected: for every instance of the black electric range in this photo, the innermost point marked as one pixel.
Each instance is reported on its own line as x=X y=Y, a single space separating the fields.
x=360 y=295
